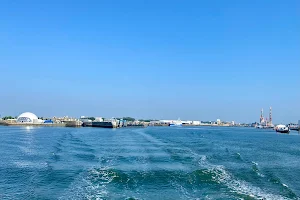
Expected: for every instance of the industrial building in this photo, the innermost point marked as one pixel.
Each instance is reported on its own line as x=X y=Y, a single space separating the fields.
x=265 y=122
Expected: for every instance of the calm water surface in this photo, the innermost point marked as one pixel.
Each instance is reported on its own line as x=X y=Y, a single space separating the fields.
x=149 y=163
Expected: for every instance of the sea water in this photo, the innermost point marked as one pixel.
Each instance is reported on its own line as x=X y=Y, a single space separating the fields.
x=148 y=163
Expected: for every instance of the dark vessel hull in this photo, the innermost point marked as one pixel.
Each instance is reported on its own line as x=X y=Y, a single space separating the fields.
x=87 y=124
x=103 y=124
x=100 y=124
x=283 y=131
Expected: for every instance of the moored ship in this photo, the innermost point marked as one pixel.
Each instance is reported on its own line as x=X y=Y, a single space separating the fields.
x=282 y=129
x=176 y=123
x=105 y=124
x=108 y=123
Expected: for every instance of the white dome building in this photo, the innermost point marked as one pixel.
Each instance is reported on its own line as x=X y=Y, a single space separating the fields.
x=27 y=117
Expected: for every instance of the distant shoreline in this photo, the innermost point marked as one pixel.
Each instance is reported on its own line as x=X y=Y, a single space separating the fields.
x=3 y=123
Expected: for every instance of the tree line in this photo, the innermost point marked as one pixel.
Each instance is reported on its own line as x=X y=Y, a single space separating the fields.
x=8 y=117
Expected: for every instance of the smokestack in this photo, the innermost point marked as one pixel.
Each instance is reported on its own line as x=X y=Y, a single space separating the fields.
x=270 y=117
x=262 y=116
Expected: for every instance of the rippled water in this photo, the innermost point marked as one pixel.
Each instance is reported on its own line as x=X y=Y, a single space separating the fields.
x=148 y=163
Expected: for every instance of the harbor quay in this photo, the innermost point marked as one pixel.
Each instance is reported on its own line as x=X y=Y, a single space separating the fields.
x=30 y=119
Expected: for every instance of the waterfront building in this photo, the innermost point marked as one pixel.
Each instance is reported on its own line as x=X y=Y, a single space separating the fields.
x=28 y=118
x=207 y=122
x=48 y=121
x=170 y=122
x=186 y=122
x=196 y=123
x=99 y=119
x=63 y=119
x=164 y=121
x=11 y=121
x=85 y=119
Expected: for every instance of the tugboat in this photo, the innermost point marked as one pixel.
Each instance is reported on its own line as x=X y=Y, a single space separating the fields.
x=282 y=129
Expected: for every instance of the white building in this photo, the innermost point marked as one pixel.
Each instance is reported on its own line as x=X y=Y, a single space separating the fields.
x=28 y=118
x=186 y=122
x=196 y=123
x=218 y=121
x=164 y=121
x=99 y=119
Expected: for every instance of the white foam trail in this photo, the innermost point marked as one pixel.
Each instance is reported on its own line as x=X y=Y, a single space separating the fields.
x=285 y=185
x=150 y=138
x=254 y=163
x=256 y=170
x=91 y=186
x=185 y=194
x=103 y=175
x=29 y=164
x=238 y=186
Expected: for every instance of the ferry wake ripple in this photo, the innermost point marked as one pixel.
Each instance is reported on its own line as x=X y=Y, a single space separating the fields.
x=148 y=163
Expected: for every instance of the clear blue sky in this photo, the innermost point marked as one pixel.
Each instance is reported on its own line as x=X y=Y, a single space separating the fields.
x=151 y=59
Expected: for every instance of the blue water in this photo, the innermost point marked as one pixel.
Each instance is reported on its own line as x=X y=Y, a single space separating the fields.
x=148 y=163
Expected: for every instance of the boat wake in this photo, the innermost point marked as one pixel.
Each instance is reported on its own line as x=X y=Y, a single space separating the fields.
x=256 y=170
x=136 y=172
x=219 y=174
